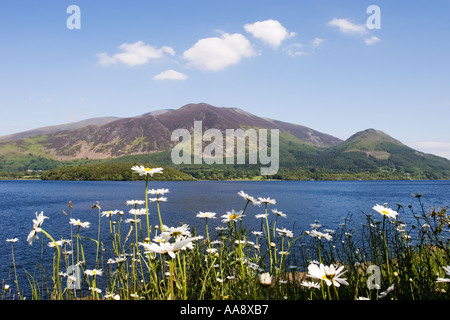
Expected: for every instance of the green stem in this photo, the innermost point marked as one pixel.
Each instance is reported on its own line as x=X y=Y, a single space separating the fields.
x=159 y=213
x=183 y=275
x=268 y=238
x=336 y=292
x=386 y=249
x=78 y=246
x=146 y=207
x=98 y=238
x=58 y=282
x=171 y=271
x=205 y=279
x=112 y=237
x=15 y=271
x=207 y=233
x=136 y=231
x=94 y=292
x=320 y=256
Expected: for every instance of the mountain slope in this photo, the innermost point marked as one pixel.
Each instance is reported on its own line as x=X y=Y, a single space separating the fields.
x=372 y=149
x=233 y=118
x=152 y=133
x=52 y=129
x=137 y=135
x=147 y=138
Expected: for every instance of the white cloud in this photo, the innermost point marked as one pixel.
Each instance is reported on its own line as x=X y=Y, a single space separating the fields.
x=214 y=54
x=295 y=49
x=170 y=75
x=298 y=49
x=317 y=42
x=372 y=40
x=346 y=26
x=271 y=32
x=438 y=148
x=134 y=54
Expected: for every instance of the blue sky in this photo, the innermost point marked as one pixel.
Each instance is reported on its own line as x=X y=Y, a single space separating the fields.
x=314 y=63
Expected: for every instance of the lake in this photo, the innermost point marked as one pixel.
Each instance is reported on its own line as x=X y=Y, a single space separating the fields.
x=304 y=202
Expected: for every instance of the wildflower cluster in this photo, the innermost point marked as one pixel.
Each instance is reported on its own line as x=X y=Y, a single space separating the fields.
x=148 y=260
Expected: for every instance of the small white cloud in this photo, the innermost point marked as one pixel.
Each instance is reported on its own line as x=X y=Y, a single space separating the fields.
x=317 y=42
x=134 y=54
x=298 y=49
x=271 y=32
x=372 y=40
x=170 y=75
x=346 y=26
x=214 y=54
x=295 y=49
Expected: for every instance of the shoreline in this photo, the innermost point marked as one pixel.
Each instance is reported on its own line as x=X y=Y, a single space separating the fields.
x=229 y=180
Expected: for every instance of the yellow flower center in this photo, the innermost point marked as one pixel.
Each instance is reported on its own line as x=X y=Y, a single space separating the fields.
x=385 y=212
x=330 y=276
x=234 y=216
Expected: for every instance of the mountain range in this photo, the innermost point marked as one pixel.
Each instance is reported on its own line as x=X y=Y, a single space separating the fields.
x=304 y=152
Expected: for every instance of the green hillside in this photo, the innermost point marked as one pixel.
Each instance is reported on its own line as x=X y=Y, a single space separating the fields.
x=369 y=154
x=83 y=152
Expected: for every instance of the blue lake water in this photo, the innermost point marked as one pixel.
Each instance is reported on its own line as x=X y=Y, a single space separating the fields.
x=303 y=202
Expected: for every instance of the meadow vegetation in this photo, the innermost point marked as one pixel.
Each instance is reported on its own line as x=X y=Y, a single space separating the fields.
x=143 y=258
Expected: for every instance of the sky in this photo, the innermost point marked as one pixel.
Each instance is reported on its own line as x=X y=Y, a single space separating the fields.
x=338 y=67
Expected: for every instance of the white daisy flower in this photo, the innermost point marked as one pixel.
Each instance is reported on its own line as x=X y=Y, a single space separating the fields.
x=206 y=215
x=94 y=272
x=168 y=248
x=311 y=284
x=33 y=235
x=79 y=223
x=232 y=216
x=329 y=274
x=135 y=202
x=385 y=211
x=142 y=171
x=265 y=279
x=158 y=191
x=138 y=212
x=279 y=213
x=249 y=198
x=267 y=200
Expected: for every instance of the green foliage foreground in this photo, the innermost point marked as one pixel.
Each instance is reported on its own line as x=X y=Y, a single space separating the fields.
x=385 y=259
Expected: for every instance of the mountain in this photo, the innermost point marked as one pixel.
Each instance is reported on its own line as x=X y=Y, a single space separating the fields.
x=371 y=142
x=53 y=129
x=372 y=149
x=151 y=132
x=370 y=154
x=304 y=152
